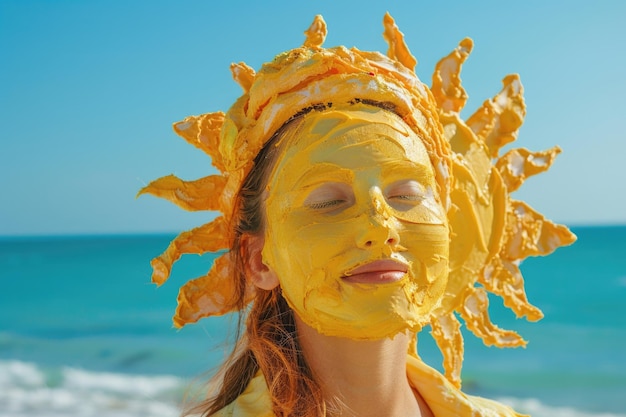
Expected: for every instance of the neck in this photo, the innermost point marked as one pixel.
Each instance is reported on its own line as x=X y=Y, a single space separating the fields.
x=361 y=378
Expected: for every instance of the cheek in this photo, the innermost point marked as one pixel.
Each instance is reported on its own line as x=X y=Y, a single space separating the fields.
x=429 y=212
x=427 y=247
x=299 y=244
x=324 y=244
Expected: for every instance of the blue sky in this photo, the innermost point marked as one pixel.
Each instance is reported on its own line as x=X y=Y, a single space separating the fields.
x=89 y=89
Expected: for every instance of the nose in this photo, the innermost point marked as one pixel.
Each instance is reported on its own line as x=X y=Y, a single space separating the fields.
x=381 y=227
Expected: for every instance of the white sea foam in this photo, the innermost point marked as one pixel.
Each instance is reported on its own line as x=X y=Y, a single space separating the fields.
x=25 y=390
x=536 y=408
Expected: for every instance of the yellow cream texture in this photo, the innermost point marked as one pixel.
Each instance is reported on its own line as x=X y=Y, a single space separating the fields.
x=352 y=186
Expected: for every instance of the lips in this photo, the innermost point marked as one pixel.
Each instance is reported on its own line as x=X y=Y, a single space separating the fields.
x=377 y=272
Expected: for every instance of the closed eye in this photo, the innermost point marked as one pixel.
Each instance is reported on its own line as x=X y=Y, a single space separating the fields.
x=407 y=197
x=406 y=191
x=325 y=204
x=329 y=197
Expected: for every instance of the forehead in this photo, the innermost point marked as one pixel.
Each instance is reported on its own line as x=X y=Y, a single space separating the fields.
x=349 y=138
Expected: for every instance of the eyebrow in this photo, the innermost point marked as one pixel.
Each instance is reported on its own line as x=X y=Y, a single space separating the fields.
x=310 y=177
x=408 y=167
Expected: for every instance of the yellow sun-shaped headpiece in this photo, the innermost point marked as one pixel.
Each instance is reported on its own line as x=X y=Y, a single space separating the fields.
x=491 y=233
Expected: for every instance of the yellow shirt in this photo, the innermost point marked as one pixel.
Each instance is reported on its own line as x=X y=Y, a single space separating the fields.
x=445 y=400
x=442 y=397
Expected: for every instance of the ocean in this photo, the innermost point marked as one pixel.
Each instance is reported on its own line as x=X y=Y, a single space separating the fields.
x=83 y=332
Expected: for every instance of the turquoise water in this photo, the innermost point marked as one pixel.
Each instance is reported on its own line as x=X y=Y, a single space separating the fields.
x=83 y=332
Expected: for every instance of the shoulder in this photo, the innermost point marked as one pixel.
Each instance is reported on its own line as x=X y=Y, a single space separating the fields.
x=255 y=401
x=445 y=399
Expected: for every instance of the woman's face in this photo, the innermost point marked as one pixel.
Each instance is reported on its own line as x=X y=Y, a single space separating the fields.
x=355 y=231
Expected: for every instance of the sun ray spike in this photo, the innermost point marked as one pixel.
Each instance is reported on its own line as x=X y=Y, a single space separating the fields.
x=518 y=164
x=398 y=49
x=203 y=132
x=227 y=198
x=210 y=295
x=447 y=88
x=497 y=121
x=532 y=234
x=209 y=237
x=243 y=75
x=195 y=195
x=446 y=330
x=316 y=33
x=505 y=279
x=476 y=316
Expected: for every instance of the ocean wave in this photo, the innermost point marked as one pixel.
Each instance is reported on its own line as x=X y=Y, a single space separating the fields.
x=536 y=408
x=27 y=390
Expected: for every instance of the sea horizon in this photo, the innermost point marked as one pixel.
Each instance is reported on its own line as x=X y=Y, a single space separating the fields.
x=26 y=235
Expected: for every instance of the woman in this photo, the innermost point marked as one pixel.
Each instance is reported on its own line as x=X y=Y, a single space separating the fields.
x=357 y=209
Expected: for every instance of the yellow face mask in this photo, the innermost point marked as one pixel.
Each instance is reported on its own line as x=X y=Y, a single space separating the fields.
x=355 y=230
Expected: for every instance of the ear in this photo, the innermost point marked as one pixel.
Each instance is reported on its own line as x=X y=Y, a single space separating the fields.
x=262 y=276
